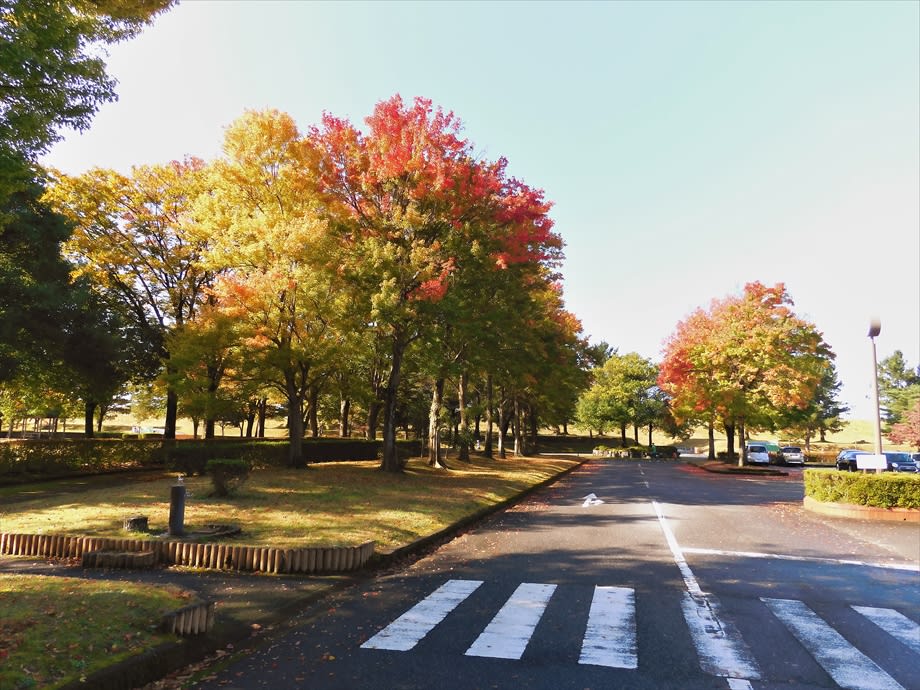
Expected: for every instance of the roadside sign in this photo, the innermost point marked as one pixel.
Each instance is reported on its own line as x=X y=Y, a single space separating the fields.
x=871 y=462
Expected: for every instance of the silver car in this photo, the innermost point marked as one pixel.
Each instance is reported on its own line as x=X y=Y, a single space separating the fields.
x=793 y=455
x=758 y=455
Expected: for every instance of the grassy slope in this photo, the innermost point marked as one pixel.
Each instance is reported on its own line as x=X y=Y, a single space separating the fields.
x=55 y=630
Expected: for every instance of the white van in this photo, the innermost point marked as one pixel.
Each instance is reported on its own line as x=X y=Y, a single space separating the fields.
x=758 y=455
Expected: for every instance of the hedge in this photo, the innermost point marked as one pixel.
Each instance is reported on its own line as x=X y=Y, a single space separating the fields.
x=27 y=459
x=885 y=490
x=24 y=460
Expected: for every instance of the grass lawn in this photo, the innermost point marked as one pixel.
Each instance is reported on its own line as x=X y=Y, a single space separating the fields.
x=325 y=505
x=55 y=630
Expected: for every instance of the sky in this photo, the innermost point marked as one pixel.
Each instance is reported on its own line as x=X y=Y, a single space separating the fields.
x=688 y=147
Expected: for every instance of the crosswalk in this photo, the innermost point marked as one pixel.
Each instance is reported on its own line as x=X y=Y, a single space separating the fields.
x=609 y=638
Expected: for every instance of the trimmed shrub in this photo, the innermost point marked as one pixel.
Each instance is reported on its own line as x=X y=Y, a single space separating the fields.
x=27 y=459
x=227 y=474
x=885 y=490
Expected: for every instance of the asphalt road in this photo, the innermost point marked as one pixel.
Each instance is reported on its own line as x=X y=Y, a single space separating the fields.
x=625 y=574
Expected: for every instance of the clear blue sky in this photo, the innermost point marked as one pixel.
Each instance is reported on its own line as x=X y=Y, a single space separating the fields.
x=689 y=147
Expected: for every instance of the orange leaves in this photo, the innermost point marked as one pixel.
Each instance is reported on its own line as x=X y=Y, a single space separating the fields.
x=746 y=356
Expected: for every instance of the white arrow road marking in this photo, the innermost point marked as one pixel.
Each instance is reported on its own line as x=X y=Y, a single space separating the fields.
x=849 y=667
x=720 y=648
x=610 y=639
x=507 y=635
x=406 y=631
x=899 y=626
x=591 y=500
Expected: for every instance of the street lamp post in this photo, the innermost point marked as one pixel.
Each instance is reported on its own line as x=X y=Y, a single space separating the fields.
x=875 y=327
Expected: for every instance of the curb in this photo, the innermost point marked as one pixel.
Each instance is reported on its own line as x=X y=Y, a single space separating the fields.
x=734 y=470
x=849 y=510
x=157 y=663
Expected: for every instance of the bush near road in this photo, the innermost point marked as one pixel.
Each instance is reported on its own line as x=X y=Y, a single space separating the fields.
x=885 y=490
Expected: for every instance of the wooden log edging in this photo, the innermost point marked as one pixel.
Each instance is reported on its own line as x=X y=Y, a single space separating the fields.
x=194 y=619
x=212 y=556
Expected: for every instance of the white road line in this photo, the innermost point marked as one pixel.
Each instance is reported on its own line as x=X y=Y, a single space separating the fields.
x=406 y=631
x=899 y=626
x=785 y=557
x=507 y=635
x=849 y=667
x=689 y=580
x=610 y=638
x=720 y=648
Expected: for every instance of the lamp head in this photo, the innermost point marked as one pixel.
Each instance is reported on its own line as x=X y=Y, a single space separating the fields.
x=875 y=327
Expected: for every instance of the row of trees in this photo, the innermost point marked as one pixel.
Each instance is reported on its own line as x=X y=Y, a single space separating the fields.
x=333 y=262
x=363 y=266
x=748 y=363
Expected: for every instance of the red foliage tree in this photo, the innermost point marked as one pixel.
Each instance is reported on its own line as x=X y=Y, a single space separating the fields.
x=412 y=205
x=908 y=430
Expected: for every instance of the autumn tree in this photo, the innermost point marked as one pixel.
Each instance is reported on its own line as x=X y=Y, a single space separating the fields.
x=270 y=238
x=744 y=359
x=134 y=238
x=907 y=431
x=407 y=193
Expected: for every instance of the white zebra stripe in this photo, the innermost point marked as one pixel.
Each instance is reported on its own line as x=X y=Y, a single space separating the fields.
x=849 y=667
x=610 y=638
x=406 y=631
x=507 y=635
x=899 y=626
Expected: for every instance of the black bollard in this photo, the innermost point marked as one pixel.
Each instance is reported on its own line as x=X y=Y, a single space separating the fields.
x=177 y=509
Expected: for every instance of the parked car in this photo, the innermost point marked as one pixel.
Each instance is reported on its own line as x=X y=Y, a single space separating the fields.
x=758 y=455
x=900 y=462
x=793 y=455
x=846 y=459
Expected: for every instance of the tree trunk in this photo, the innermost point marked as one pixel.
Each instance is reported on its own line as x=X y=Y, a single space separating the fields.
x=487 y=449
x=730 y=440
x=534 y=435
x=504 y=419
x=636 y=433
x=712 y=440
x=434 y=428
x=391 y=461
x=88 y=412
x=344 y=410
x=622 y=434
x=208 y=428
x=742 y=455
x=295 y=422
x=464 y=452
x=650 y=435
x=263 y=409
x=518 y=431
x=172 y=410
x=373 y=417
